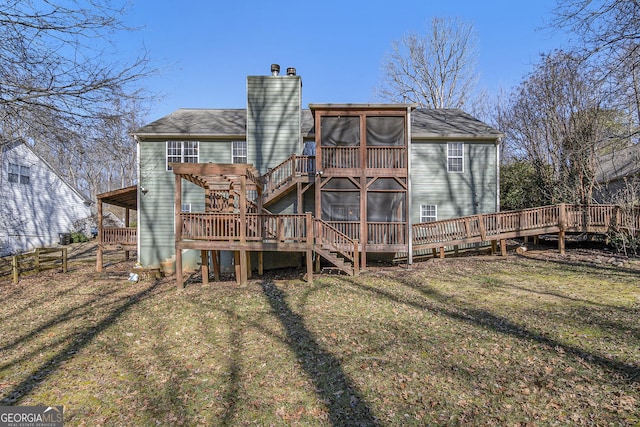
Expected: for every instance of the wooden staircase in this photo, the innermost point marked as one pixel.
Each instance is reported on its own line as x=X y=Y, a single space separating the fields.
x=336 y=247
x=282 y=179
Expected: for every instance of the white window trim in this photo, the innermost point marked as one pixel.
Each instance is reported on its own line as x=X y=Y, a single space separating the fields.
x=449 y=157
x=22 y=174
x=182 y=154
x=423 y=217
x=246 y=150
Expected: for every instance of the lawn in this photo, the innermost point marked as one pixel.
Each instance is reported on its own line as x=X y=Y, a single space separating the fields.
x=528 y=339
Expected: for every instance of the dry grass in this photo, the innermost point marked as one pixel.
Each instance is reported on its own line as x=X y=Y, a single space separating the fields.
x=467 y=341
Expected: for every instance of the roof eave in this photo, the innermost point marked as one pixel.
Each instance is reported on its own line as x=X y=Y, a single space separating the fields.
x=159 y=135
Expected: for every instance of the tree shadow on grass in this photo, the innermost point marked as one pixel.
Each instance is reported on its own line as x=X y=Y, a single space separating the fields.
x=344 y=401
x=442 y=305
x=81 y=340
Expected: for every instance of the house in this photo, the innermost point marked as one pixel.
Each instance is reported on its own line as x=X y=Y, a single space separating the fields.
x=37 y=204
x=366 y=171
x=615 y=172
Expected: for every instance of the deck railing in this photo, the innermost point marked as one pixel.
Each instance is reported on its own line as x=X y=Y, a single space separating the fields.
x=340 y=157
x=386 y=157
x=119 y=236
x=377 y=157
x=476 y=228
x=348 y=228
x=387 y=233
x=336 y=241
x=257 y=227
x=283 y=173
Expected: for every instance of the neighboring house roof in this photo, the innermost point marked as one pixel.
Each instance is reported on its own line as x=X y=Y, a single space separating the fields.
x=230 y=123
x=18 y=142
x=619 y=164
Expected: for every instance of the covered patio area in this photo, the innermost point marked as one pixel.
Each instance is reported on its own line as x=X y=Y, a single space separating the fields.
x=117 y=238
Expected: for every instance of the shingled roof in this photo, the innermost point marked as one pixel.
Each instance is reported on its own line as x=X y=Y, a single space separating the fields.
x=232 y=123
x=619 y=164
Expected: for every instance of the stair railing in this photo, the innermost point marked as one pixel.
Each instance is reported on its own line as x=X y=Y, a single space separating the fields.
x=336 y=241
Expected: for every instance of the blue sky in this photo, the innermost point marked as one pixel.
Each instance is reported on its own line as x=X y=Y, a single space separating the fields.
x=205 y=49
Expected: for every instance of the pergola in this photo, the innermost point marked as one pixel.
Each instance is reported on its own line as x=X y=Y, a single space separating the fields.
x=232 y=221
x=115 y=237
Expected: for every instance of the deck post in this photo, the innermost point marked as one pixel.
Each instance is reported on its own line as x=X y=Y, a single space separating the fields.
x=236 y=264
x=248 y=265
x=260 y=263
x=127 y=214
x=494 y=247
x=243 y=268
x=483 y=231
x=503 y=247
x=441 y=252
x=178 y=231
x=356 y=266
x=215 y=255
x=562 y=224
x=99 y=257
x=309 y=259
x=434 y=251
x=204 y=257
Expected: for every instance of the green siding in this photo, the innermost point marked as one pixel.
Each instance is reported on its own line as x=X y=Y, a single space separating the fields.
x=156 y=213
x=455 y=194
x=273 y=119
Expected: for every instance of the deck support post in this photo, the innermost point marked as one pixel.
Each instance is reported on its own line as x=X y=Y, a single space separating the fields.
x=99 y=257
x=127 y=221
x=249 y=265
x=503 y=247
x=260 y=263
x=178 y=231
x=441 y=252
x=562 y=225
x=215 y=255
x=309 y=259
x=240 y=258
x=236 y=265
x=204 y=257
x=494 y=247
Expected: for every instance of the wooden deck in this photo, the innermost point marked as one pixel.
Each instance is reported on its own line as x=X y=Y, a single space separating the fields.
x=558 y=219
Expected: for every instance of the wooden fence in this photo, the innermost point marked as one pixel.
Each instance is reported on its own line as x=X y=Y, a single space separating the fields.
x=39 y=260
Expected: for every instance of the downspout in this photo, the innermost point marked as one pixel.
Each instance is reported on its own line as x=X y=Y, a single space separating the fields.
x=138 y=198
x=409 y=193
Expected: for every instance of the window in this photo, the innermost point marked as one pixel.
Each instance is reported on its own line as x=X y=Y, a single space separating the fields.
x=455 y=157
x=239 y=152
x=428 y=213
x=182 y=152
x=18 y=173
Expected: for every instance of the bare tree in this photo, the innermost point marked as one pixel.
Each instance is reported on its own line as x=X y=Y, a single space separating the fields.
x=57 y=68
x=608 y=36
x=556 y=121
x=437 y=70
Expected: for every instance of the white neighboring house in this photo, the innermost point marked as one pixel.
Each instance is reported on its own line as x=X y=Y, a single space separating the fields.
x=36 y=204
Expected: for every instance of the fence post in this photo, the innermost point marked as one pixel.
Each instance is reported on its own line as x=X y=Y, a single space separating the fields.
x=36 y=254
x=64 y=260
x=16 y=271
